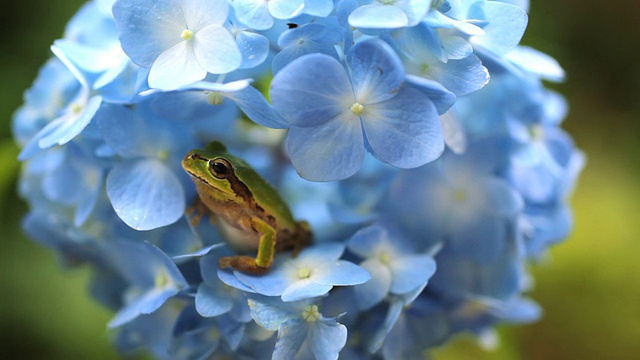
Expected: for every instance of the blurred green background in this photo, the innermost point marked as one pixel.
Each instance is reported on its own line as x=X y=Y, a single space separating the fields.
x=589 y=286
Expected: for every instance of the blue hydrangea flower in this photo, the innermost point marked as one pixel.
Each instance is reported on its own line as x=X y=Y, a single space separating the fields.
x=328 y=110
x=312 y=273
x=395 y=265
x=365 y=95
x=300 y=325
x=153 y=277
x=179 y=40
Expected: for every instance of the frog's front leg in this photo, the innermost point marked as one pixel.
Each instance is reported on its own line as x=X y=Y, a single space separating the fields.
x=196 y=211
x=266 y=251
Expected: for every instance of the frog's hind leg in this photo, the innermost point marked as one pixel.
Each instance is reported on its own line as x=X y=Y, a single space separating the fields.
x=266 y=251
x=303 y=239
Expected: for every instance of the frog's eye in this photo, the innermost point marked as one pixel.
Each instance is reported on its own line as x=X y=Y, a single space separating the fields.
x=220 y=168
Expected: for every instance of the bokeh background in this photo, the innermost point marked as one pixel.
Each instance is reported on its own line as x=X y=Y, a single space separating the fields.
x=589 y=286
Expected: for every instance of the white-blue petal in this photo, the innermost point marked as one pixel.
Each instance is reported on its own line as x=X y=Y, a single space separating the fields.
x=340 y=273
x=304 y=289
x=376 y=71
x=311 y=90
x=404 y=131
x=145 y=194
x=327 y=338
x=147 y=31
x=256 y=107
x=216 y=50
x=65 y=128
x=285 y=9
x=411 y=272
x=253 y=13
x=291 y=335
x=209 y=302
x=506 y=25
x=378 y=16
x=175 y=68
x=253 y=47
x=375 y=290
x=328 y=152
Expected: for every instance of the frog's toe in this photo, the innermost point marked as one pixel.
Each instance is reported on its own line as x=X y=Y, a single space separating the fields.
x=245 y=264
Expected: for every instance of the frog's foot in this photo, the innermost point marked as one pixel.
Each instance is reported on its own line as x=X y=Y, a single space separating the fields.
x=245 y=264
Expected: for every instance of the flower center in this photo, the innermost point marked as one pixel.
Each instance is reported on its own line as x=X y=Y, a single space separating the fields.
x=384 y=257
x=161 y=280
x=460 y=195
x=357 y=109
x=76 y=108
x=186 y=34
x=311 y=313
x=304 y=273
x=536 y=132
x=214 y=98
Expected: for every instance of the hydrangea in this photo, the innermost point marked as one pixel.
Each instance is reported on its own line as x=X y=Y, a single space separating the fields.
x=416 y=138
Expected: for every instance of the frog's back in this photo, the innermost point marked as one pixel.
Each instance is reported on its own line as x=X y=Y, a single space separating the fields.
x=268 y=201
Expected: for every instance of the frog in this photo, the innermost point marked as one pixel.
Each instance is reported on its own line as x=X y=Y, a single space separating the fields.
x=248 y=212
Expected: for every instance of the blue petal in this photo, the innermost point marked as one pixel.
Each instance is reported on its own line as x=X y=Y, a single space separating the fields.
x=480 y=237
x=256 y=107
x=503 y=200
x=216 y=49
x=145 y=304
x=273 y=283
x=341 y=273
x=324 y=252
x=139 y=25
x=285 y=9
x=65 y=128
x=376 y=71
x=254 y=14
x=537 y=63
x=365 y=242
x=375 y=290
x=253 y=47
x=460 y=76
x=506 y=25
x=311 y=90
x=270 y=313
x=209 y=302
x=405 y=130
x=123 y=130
x=395 y=309
x=441 y=98
x=332 y=151
x=229 y=279
x=304 y=289
x=411 y=272
x=145 y=194
x=378 y=16
x=326 y=339
x=291 y=335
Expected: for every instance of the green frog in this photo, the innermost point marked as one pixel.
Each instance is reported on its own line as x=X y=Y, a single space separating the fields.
x=249 y=213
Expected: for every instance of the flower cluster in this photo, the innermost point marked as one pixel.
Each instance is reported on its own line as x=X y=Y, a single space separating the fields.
x=415 y=137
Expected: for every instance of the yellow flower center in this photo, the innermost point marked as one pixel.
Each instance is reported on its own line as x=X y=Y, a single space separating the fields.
x=357 y=109
x=214 y=98
x=186 y=34
x=304 y=273
x=311 y=313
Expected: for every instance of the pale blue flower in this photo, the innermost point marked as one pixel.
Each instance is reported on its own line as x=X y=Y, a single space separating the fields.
x=313 y=272
x=332 y=115
x=179 y=40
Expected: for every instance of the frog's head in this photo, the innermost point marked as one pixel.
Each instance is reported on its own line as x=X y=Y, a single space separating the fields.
x=212 y=166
